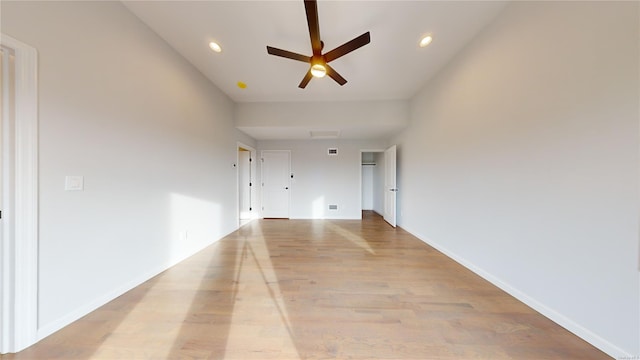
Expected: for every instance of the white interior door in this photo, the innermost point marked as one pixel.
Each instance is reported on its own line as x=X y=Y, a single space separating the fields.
x=244 y=183
x=390 y=188
x=276 y=165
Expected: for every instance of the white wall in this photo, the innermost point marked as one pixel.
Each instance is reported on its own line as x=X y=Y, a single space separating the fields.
x=354 y=119
x=154 y=140
x=320 y=179
x=521 y=161
x=367 y=187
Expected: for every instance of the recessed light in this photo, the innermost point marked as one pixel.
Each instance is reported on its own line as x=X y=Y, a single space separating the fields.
x=215 y=47
x=426 y=41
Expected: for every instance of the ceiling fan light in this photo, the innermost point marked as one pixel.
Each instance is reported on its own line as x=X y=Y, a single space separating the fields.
x=318 y=70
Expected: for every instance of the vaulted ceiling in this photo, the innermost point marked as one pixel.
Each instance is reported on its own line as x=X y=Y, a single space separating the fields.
x=391 y=67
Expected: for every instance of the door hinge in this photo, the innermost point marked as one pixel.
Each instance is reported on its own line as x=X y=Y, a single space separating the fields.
x=249 y=184
x=250 y=209
x=250 y=159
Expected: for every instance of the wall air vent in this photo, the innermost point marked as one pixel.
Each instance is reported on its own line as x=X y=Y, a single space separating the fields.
x=333 y=207
x=333 y=151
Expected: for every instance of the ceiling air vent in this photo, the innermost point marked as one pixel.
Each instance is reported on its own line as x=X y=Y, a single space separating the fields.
x=333 y=151
x=324 y=134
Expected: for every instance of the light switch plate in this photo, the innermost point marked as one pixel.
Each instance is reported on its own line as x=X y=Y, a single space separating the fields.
x=74 y=183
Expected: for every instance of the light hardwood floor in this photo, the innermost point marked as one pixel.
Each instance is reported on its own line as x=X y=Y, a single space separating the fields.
x=315 y=289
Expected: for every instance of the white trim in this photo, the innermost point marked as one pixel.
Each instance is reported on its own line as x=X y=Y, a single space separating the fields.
x=638 y=249
x=555 y=316
x=20 y=297
x=253 y=205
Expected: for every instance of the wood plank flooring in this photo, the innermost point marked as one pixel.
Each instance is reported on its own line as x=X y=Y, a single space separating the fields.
x=315 y=289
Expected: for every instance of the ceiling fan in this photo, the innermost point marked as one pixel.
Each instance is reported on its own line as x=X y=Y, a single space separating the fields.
x=319 y=62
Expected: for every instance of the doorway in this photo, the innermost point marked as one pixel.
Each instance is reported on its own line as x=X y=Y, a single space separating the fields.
x=372 y=187
x=246 y=180
x=378 y=182
x=276 y=173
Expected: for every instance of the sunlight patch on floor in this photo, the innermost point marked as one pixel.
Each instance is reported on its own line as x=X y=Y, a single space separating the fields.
x=155 y=321
x=258 y=301
x=355 y=239
x=167 y=303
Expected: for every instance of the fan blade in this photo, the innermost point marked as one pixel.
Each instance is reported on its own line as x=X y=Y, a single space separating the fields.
x=334 y=75
x=288 y=54
x=348 y=47
x=311 y=7
x=305 y=80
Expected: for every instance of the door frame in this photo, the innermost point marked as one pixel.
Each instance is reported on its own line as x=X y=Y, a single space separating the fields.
x=19 y=259
x=252 y=179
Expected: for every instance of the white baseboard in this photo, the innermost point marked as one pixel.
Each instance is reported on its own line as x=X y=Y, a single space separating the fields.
x=327 y=218
x=555 y=316
x=52 y=327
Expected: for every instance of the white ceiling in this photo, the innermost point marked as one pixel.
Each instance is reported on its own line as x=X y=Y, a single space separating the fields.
x=391 y=67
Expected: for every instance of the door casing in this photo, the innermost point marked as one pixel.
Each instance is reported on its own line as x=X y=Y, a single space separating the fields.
x=19 y=243
x=252 y=179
